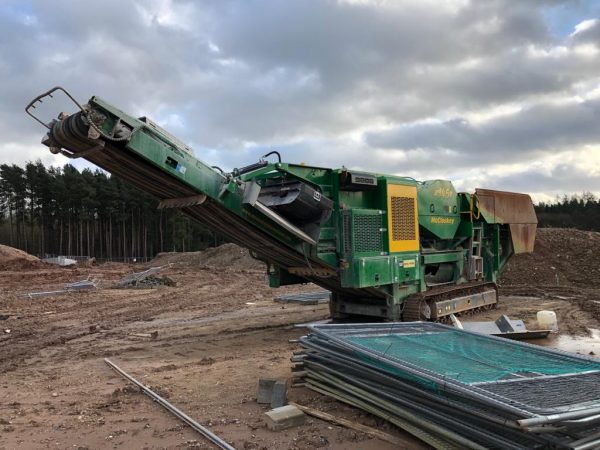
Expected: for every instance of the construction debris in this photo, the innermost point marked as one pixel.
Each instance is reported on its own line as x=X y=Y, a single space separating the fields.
x=71 y=287
x=45 y=293
x=284 y=417
x=62 y=261
x=272 y=391
x=82 y=285
x=305 y=298
x=98 y=329
x=547 y=319
x=172 y=409
x=279 y=394
x=456 y=389
x=152 y=335
x=265 y=389
x=502 y=327
x=146 y=279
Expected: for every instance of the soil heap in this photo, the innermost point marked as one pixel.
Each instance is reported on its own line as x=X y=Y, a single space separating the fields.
x=561 y=257
x=226 y=255
x=15 y=259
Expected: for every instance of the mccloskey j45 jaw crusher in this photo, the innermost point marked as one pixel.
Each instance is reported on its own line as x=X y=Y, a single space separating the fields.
x=386 y=246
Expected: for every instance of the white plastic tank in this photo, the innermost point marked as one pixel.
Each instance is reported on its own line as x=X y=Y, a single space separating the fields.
x=547 y=320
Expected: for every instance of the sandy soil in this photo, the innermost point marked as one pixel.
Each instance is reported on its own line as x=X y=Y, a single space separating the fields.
x=226 y=255
x=8 y=254
x=13 y=259
x=564 y=273
x=56 y=391
x=218 y=332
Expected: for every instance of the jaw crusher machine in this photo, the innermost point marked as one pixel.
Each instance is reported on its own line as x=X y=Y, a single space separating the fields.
x=386 y=246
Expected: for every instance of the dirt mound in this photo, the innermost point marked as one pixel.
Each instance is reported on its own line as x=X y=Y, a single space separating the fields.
x=14 y=259
x=562 y=257
x=226 y=255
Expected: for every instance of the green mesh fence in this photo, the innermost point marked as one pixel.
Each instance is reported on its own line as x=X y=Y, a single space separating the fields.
x=468 y=358
x=492 y=391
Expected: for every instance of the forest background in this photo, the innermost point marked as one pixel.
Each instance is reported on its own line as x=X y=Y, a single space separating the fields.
x=63 y=211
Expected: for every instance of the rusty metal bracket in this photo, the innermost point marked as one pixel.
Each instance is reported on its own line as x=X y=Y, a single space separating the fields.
x=182 y=202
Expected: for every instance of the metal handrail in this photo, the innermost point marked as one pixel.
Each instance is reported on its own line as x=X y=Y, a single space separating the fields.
x=49 y=93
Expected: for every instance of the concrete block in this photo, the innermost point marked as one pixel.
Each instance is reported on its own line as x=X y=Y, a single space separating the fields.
x=279 y=394
x=265 y=389
x=284 y=417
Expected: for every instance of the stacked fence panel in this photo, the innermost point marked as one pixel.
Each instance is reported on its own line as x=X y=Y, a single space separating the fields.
x=457 y=389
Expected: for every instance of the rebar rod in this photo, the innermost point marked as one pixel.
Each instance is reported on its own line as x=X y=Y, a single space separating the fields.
x=172 y=409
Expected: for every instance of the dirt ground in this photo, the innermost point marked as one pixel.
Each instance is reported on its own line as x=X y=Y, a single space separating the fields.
x=563 y=275
x=218 y=332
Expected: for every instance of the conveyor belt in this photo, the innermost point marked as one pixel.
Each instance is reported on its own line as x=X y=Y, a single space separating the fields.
x=71 y=134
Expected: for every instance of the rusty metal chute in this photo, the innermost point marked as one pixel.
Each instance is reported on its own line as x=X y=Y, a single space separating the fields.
x=515 y=210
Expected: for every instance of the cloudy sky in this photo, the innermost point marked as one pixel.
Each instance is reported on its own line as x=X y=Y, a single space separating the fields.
x=501 y=94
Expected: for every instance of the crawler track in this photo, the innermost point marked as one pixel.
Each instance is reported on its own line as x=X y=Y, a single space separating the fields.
x=421 y=306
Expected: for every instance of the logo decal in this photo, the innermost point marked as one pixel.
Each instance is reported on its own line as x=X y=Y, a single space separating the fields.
x=443 y=220
x=443 y=192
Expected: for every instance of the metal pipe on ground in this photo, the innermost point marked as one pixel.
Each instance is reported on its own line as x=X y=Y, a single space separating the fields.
x=172 y=409
x=31 y=295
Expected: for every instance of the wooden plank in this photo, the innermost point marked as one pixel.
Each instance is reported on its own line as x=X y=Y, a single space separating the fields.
x=373 y=432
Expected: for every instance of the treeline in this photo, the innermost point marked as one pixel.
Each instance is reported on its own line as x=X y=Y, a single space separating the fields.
x=577 y=211
x=63 y=211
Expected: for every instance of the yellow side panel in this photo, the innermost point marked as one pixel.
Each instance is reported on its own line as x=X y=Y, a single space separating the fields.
x=403 y=218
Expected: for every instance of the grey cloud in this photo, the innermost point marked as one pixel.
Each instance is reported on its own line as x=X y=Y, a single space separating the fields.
x=234 y=78
x=351 y=52
x=561 y=179
x=541 y=127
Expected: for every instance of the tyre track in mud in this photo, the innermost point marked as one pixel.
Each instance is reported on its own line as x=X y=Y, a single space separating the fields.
x=200 y=296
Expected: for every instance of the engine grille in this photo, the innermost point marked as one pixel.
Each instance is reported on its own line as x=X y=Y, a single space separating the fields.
x=347 y=224
x=403 y=219
x=367 y=233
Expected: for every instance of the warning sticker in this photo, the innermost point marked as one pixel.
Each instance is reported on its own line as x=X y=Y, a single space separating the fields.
x=409 y=263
